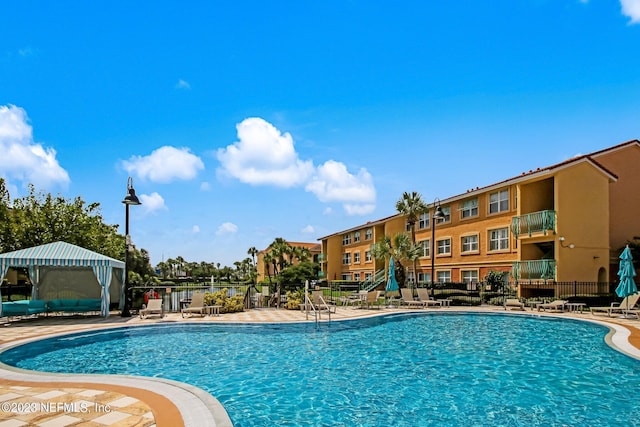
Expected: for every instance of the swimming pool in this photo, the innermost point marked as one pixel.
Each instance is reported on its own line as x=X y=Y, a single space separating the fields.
x=401 y=370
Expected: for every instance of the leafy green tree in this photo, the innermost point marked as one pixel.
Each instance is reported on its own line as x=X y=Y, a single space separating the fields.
x=41 y=218
x=293 y=276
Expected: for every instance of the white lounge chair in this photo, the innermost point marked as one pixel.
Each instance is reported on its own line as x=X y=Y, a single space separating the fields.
x=557 y=305
x=154 y=306
x=513 y=303
x=407 y=299
x=627 y=304
x=423 y=295
x=196 y=306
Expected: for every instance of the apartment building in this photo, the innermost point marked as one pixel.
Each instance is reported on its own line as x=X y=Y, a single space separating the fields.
x=560 y=223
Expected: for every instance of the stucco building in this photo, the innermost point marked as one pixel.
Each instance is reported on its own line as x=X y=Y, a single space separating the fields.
x=560 y=223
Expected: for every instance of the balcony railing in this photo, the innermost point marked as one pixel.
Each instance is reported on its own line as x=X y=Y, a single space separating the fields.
x=535 y=222
x=543 y=269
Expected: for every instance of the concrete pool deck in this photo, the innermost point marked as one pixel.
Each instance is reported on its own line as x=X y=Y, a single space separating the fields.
x=51 y=400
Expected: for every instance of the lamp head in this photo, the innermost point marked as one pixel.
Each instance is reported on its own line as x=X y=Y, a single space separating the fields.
x=438 y=214
x=131 y=198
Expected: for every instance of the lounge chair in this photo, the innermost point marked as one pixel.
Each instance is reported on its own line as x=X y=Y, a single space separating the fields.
x=627 y=304
x=557 y=305
x=423 y=296
x=373 y=299
x=154 y=306
x=196 y=305
x=407 y=299
x=513 y=303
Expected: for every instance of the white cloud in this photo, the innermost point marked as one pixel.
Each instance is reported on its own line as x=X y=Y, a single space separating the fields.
x=165 y=165
x=327 y=211
x=263 y=156
x=183 y=84
x=152 y=202
x=195 y=229
x=227 y=228
x=334 y=183
x=308 y=230
x=205 y=186
x=631 y=8
x=21 y=158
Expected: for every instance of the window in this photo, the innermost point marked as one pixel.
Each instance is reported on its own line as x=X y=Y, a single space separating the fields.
x=499 y=201
x=469 y=208
x=346 y=258
x=426 y=247
x=346 y=239
x=356 y=276
x=356 y=257
x=444 y=247
x=469 y=276
x=470 y=243
x=346 y=276
x=367 y=256
x=423 y=221
x=447 y=214
x=356 y=237
x=410 y=277
x=499 y=239
x=424 y=277
x=368 y=276
x=408 y=227
x=368 y=234
x=443 y=276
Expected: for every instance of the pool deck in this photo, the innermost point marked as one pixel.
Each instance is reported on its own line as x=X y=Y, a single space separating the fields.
x=54 y=400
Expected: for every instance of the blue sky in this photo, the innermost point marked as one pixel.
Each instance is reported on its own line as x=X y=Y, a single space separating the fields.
x=240 y=122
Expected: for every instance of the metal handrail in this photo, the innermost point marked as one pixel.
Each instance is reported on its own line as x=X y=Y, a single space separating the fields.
x=534 y=222
x=308 y=303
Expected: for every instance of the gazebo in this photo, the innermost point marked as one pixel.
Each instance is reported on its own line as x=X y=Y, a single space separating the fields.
x=60 y=270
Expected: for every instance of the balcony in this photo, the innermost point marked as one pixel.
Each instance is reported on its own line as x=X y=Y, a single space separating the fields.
x=535 y=222
x=543 y=269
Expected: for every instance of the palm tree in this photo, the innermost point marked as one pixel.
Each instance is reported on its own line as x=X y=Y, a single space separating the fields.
x=280 y=250
x=412 y=205
x=400 y=248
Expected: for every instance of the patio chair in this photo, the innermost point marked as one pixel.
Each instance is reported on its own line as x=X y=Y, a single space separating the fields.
x=154 y=306
x=423 y=295
x=196 y=305
x=513 y=303
x=557 y=305
x=373 y=300
x=407 y=299
x=627 y=304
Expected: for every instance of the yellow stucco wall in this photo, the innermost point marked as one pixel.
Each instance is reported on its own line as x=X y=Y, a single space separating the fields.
x=582 y=213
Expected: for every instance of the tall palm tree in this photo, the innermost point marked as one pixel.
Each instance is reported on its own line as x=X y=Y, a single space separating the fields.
x=280 y=250
x=412 y=205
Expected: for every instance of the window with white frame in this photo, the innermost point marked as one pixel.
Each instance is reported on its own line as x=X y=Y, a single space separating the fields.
x=356 y=237
x=426 y=247
x=469 y=208
x=443 y=276
x=446 y=211
x=444 y=247
x=499 y=239
x=410 y=277
x=424 y=278
x=368 y=276
x=356 y=257
x=368 y=234
x=346 y=276
x=423 y=221
x=407 y=227
x=469 y=243
x=346 y=239
x=367 y=256
x=346 y=258
x=469 y=276
x=356 y=276
x=499 y=201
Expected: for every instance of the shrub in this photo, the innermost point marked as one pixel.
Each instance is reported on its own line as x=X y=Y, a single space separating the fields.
x=294 y=299
x=227 y=304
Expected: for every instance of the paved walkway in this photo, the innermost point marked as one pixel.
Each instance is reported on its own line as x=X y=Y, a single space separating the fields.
x=52 y=400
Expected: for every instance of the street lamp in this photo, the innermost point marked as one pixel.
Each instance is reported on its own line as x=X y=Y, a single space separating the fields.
x=437 y=215
x=129 y=199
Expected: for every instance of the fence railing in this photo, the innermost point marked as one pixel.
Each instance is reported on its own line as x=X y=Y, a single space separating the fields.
x=535 y=222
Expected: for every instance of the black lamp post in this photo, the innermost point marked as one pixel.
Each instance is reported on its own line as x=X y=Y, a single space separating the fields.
x=436 y=216
x=129 y=199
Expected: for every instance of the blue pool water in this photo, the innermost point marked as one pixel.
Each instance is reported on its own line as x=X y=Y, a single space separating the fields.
x=400 y=370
